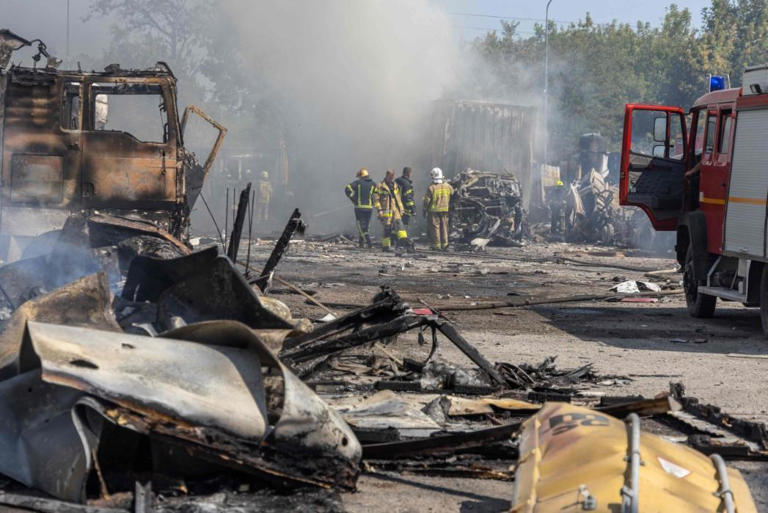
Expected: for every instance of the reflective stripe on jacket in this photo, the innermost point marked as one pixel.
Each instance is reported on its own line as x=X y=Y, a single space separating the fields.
x=406 y=194
x=438 y=197
x=361 y=193
x=387 y=201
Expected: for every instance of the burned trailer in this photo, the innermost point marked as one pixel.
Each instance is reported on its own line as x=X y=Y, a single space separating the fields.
x=486 y=208
x=483 y=135
x=111 y=141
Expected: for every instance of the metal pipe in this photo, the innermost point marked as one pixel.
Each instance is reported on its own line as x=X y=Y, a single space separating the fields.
x=725 y=493
x=629 y=492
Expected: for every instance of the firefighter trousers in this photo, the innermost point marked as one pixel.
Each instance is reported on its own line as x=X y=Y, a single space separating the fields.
x=393 y=229
x=437 y=227
x=262 y=211
x=363 y=218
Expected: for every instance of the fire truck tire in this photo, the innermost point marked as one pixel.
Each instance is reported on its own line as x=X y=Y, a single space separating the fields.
x=701 y=306
x=764 y=300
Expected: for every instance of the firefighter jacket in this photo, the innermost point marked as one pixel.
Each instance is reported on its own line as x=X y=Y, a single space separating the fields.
x=438 y=197
x=406 y=194
x=387 y=201
x=361 y=193
x=263 y=191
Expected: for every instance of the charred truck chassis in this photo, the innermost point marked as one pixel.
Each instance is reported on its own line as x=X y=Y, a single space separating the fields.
x=60 y=155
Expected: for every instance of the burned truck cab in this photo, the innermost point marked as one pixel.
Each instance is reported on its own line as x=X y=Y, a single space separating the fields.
x=108 y=141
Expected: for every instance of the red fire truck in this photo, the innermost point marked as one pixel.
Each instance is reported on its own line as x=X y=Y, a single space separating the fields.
x=704 y=174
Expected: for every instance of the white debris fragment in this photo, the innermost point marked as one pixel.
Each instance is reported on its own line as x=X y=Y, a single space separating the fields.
x=635 y=287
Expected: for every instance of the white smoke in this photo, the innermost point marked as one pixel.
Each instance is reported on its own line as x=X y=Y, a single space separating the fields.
x=355 y=80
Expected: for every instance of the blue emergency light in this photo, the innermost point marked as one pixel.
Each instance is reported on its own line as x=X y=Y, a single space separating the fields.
x=716 y=83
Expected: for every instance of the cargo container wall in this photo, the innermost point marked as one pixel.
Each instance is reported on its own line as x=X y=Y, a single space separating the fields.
x=485 y=136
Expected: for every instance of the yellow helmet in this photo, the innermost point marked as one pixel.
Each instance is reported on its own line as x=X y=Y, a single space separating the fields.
x=362 y=173
x=559 y=183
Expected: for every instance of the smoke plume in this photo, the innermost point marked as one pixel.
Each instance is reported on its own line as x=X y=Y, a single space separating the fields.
x=354 y=81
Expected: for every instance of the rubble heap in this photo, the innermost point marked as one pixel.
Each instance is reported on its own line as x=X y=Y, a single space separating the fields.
x=486 y=208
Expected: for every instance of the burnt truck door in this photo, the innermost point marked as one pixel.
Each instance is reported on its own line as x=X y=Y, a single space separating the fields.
x=653 y=162
x=130 y=145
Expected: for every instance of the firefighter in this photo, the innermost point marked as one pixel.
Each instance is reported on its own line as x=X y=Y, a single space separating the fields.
x=390 y=209
x=406 y=194
x=437 y=203
x=361 y=193
x=557 y=206
x=263 y=195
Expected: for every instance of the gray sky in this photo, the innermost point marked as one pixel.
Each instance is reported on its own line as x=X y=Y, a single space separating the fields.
x=46 y=19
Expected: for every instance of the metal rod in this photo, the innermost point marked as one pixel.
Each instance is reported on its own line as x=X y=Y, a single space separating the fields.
x=304 y=294
x=629 y=492
x=226 y=220
x=215 y=224
x=250 y=233
x=725 y=493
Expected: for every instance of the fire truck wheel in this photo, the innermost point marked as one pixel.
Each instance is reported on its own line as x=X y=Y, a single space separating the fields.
x=764 y=300
x=701 y=306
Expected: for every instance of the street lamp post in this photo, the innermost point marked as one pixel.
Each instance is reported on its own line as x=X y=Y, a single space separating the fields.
x=546 y=83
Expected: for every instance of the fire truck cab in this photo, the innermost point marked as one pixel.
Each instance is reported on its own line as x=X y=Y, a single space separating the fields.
x=704 y=174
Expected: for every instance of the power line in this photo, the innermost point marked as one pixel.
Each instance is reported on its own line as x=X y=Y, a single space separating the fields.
x=515 y=18
x=488 y=29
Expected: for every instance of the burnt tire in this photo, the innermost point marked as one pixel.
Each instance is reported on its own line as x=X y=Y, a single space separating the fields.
x=701 y=306
x=764 y=300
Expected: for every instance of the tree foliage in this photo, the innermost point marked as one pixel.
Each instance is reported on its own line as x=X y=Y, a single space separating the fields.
x=596 y=68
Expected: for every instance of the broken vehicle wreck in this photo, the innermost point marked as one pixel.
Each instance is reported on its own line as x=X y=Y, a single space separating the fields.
x=74 y=140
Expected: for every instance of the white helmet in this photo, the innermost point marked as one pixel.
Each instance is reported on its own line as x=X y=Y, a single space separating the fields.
x=437 y=175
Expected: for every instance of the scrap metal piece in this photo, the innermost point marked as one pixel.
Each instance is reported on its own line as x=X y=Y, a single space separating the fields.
x=198 y=287
x=565 y=449
x=237 y=227
x=294 y=225
x=45 y=505
x=39 y=440
x=202 y=386
x=487 y=208
x=85 y=302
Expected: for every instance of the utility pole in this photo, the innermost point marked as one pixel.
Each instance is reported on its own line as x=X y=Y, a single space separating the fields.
x=546 y=83
x=67 y=30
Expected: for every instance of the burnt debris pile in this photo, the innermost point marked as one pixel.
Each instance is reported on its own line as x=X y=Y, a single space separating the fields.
x=487 y=208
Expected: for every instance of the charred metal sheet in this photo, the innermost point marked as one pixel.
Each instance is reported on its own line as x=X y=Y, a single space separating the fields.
x=198 y=287
x=442 y=444
x=39 y=440
x=203 y=385
x=85 y=302
x=486 y=207
x=44 y=505
x=106 y=230
x=181 y=381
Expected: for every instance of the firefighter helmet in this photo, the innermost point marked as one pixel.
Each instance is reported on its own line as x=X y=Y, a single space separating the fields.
x=265 y=175
x=437 y=175
x=362 y=173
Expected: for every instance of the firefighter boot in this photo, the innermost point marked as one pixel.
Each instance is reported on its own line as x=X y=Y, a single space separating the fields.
x=368 y=243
